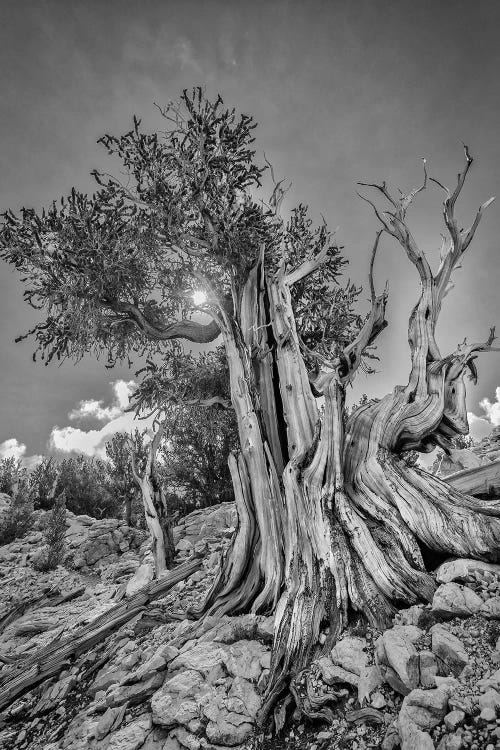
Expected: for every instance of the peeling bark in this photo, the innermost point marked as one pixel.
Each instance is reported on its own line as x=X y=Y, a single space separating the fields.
x=332 y=521
x=155 y=507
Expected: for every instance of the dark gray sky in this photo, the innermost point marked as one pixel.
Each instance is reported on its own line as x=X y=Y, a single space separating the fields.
x=342 y=90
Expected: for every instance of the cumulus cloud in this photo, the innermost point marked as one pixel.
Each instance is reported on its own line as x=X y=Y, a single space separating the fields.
x=480 y=426
x=12 y=448
x=93 y=409
x=492 y=410
x=92 y=442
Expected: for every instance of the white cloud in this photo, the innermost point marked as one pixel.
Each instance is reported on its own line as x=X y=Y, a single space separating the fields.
x=12 y=448
x=92 y=442
x=93 y=409
x=492 y=410
x=481 y=426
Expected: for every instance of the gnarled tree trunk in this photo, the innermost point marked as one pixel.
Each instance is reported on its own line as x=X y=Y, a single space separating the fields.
x=155 y=506
x=332 y=521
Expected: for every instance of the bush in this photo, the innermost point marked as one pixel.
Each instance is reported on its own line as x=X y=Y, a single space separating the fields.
x=11 y=474
x=52 y=553
x=16 y=523
x=85 y=482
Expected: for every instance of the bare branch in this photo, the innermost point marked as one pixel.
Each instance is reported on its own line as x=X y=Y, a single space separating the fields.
x=307 y=267
x=183 y=329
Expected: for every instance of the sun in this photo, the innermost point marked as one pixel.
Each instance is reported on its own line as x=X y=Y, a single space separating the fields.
x=199 y=297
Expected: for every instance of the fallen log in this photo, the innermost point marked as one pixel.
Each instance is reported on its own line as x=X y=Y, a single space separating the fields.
x=50 y=598
x=25 y=674
x=481 y=480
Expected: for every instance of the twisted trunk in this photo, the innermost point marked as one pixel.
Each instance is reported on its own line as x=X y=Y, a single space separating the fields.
x=332 y=520
x=155 y=507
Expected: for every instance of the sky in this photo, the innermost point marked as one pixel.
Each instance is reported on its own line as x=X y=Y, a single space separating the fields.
x=343 y=91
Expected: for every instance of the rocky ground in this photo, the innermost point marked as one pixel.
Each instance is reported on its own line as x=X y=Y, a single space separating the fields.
x=163 y=682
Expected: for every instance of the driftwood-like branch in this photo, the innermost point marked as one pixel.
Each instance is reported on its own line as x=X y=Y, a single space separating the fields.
x=480 y=480
x=307 y=267
x=18 y=679
x=375 y=323
x=183 y=329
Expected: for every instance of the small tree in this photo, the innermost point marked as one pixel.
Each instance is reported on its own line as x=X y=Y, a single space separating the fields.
x=18 y=520
x=84 y=481
x=11 y=473
x=41 y=483
x=121 y=483
x=154 y=500
x=195 y=457
x=52 y=553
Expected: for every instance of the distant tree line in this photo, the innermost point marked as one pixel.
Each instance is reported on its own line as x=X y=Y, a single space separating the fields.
x=192 y=468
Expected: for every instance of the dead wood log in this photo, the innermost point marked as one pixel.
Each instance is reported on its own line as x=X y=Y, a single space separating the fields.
x=50 y=660
x=481 y=480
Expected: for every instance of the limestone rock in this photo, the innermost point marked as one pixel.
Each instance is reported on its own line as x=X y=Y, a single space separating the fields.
x=350 y=654
x=136 y=693
x=424 y=708
x=449 y=650
x=178 y=700
x=429 y=668
x=332 y=674
x=246 y=659
x=490 y=699
x=454 y=600
x=202 y=657
x=460 y=569
x=105 y=678
x=245 y=691
x=369 y=680
x=401 y=655
x=111 y=719
x=453 y=720
x=131 y=736
x=491 y=608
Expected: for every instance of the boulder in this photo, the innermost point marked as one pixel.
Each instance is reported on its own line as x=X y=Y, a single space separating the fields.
x=332 y=674
x=178 y=700
x=490 y=699
x=245 y=691
x=424 y=708
x=202 y=657
x=350 y=654
x=246 y=659
x=401 y=655
x=369 y=680
x=105 y=678
x=491 y=608
x=449 y=650
x=111 y=719
x=131 y=736
x=461 y=569
x=454 y=600
x=136 y=693
x=453 y=720
x=429 y=668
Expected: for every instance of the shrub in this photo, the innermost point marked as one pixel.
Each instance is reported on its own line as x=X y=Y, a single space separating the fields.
x=19 y=519
x=52 y=553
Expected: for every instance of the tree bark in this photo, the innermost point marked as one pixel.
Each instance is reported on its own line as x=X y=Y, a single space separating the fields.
x=332 y=521
x=155 y=507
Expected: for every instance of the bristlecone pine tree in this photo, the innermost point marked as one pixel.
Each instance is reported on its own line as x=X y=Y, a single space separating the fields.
x=331 y=520
x=154 y=501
